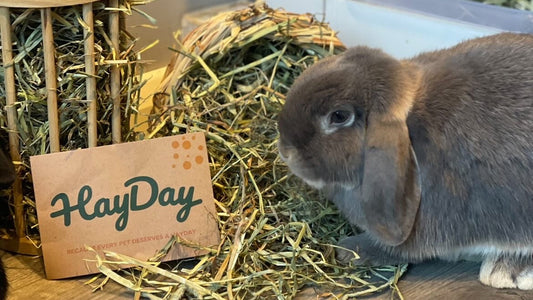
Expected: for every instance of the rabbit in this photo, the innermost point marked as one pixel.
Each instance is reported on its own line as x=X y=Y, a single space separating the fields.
x=431 y=156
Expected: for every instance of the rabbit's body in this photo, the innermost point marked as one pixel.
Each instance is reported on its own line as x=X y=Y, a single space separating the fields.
x=471 y=127
x=432 y=156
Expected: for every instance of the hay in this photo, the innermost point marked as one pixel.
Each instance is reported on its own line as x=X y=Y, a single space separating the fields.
x=517 y=4
x=31 y=105
x=228 y=80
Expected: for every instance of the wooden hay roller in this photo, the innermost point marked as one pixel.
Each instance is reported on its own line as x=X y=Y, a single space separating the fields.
x=18 y=242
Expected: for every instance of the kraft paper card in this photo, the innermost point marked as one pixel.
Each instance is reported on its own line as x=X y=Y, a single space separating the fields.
x=127 y=198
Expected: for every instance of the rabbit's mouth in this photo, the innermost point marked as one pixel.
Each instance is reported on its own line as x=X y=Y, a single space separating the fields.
x=305 y=173
x=309 y=176
x=317 y=184
x=300 y=167
x=317 y=177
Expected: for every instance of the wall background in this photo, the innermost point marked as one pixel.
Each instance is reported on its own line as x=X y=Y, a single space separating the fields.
x=169 y=14
x=403 y=28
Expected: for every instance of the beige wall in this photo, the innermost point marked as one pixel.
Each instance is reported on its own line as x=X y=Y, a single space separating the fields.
x=168 y=14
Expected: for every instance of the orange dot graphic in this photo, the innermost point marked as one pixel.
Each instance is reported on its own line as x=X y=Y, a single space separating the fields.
x=187 y=165
x=193 y=137
x=176 y=155
x=199 y=159
x=186 y=145
x=200 y=147
x=175 y=144
x=173 y=166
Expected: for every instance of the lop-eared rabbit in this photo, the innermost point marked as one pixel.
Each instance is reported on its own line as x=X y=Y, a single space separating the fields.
x=432 y=157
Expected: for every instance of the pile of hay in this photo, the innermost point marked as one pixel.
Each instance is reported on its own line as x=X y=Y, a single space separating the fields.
x=228 y=80
x=31 y=105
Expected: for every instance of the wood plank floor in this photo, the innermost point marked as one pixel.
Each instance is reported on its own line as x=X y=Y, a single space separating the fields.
x=439 y=280
x=429 y=281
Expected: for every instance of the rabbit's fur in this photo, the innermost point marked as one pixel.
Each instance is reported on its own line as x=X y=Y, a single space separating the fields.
x=431 y=156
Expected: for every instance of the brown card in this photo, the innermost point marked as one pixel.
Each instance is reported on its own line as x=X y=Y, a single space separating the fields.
x=128 y=198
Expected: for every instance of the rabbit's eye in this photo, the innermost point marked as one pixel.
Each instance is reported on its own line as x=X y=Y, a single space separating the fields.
x=340 y=117
x=337 y=119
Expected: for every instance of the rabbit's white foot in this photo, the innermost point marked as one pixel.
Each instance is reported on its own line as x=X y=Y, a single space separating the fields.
x=524 y=281
x=504 y=271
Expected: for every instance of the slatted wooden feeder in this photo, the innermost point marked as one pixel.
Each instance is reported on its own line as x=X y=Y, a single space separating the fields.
x=18 y=242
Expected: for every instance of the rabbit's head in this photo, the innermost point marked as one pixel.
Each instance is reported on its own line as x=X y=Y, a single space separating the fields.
x=344 y=125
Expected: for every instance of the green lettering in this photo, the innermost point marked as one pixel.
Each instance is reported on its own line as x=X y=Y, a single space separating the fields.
x=153 y=196
x=84 y=196
x=187 y=202
x=123 y=210
x=101 y=208
x=65 y=211
x=129 y=201
x=166 y=197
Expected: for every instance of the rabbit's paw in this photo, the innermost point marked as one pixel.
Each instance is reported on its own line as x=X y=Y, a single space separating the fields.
x=507 y=271
x=368 y=251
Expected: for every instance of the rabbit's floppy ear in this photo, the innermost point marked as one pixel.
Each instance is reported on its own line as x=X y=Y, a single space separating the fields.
x=390 y=184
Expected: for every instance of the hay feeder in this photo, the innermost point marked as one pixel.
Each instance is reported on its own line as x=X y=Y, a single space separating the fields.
x=12 y=12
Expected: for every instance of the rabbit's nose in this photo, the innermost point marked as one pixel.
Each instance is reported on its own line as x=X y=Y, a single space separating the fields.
x=286 y=153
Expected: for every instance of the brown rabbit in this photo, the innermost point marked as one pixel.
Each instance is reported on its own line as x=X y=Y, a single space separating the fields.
x=431 y=156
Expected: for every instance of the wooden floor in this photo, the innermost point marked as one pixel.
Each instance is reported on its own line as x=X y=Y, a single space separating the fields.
x=450 y=281
x=428 y=281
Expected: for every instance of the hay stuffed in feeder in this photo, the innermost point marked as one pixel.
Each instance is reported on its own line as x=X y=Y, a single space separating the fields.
x=32 y=122
x=228 y=80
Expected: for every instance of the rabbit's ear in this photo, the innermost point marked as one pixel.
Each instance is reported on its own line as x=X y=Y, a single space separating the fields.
x=391 y=185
